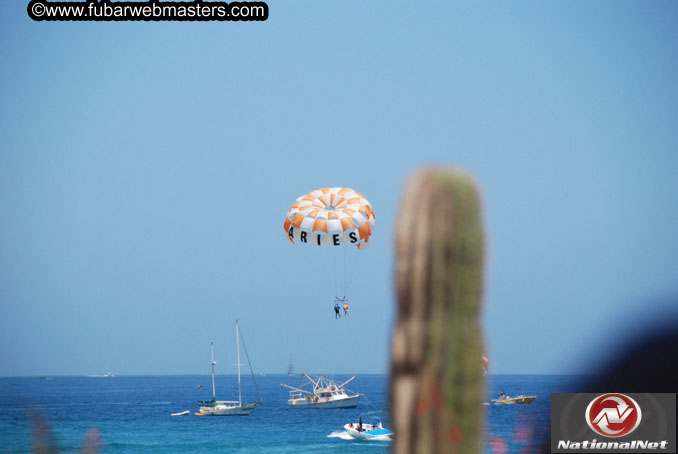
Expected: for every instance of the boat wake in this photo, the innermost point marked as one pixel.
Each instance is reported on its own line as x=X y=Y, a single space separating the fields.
x=381 y=438
x=341 y=434
x=346 y=436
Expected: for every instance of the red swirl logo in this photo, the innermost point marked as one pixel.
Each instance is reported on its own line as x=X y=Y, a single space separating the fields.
x=613 y=415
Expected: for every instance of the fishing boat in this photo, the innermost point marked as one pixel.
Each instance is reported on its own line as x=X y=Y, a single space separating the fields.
x=216 y=407
x=326 y=394
x=290 y=369
x=368 y=431
x=508 y=400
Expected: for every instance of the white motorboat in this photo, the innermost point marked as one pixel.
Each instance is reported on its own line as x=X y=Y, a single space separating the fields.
x=216 y=407
x=374 y=430
x=326 y=394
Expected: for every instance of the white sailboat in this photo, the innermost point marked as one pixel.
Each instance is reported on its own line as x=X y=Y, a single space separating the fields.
x=216 y=407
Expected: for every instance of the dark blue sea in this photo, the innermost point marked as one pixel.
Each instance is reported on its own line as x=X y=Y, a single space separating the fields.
x=131 y=414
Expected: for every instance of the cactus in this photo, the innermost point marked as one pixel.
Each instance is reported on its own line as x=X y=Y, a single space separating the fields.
x=437 y=386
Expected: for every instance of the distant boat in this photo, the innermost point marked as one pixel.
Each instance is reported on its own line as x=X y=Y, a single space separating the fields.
x=216 y=407
x=106 y=375
x=368 y=431
x=508 y=400
x=326 y=394
x=290 y=369
x=181 y=413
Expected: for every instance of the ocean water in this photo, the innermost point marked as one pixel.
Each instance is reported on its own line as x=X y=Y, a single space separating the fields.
x=132 y=415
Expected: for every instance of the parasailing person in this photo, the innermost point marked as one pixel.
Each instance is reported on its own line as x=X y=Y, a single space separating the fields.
x=336 y=217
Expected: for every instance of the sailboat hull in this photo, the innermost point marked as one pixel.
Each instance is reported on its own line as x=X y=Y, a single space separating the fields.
x=227 y=410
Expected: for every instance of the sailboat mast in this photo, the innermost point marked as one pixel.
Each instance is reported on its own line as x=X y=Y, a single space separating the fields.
x=237 y=343
x=214 y=393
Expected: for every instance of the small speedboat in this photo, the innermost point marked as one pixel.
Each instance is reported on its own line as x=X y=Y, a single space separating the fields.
x=508 y=400
x=373 y=430
x=181 y=413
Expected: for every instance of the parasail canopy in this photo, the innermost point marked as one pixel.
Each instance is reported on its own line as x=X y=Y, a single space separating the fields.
x=330 y=217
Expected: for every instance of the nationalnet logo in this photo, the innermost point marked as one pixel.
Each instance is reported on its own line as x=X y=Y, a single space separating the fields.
x=613 y=422
x=613 y=415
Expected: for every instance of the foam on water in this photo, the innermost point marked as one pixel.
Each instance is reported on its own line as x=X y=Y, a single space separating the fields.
x=381 y=438
x=341 y=434
x=346 y=436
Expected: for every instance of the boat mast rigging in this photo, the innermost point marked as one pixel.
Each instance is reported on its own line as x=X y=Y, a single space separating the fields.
x=214 y=393
x=237 y=343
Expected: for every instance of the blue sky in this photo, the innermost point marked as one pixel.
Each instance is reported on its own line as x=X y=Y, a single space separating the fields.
x=146 y=168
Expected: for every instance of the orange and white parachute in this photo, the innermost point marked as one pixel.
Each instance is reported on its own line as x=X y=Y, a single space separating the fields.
x=330 y=217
